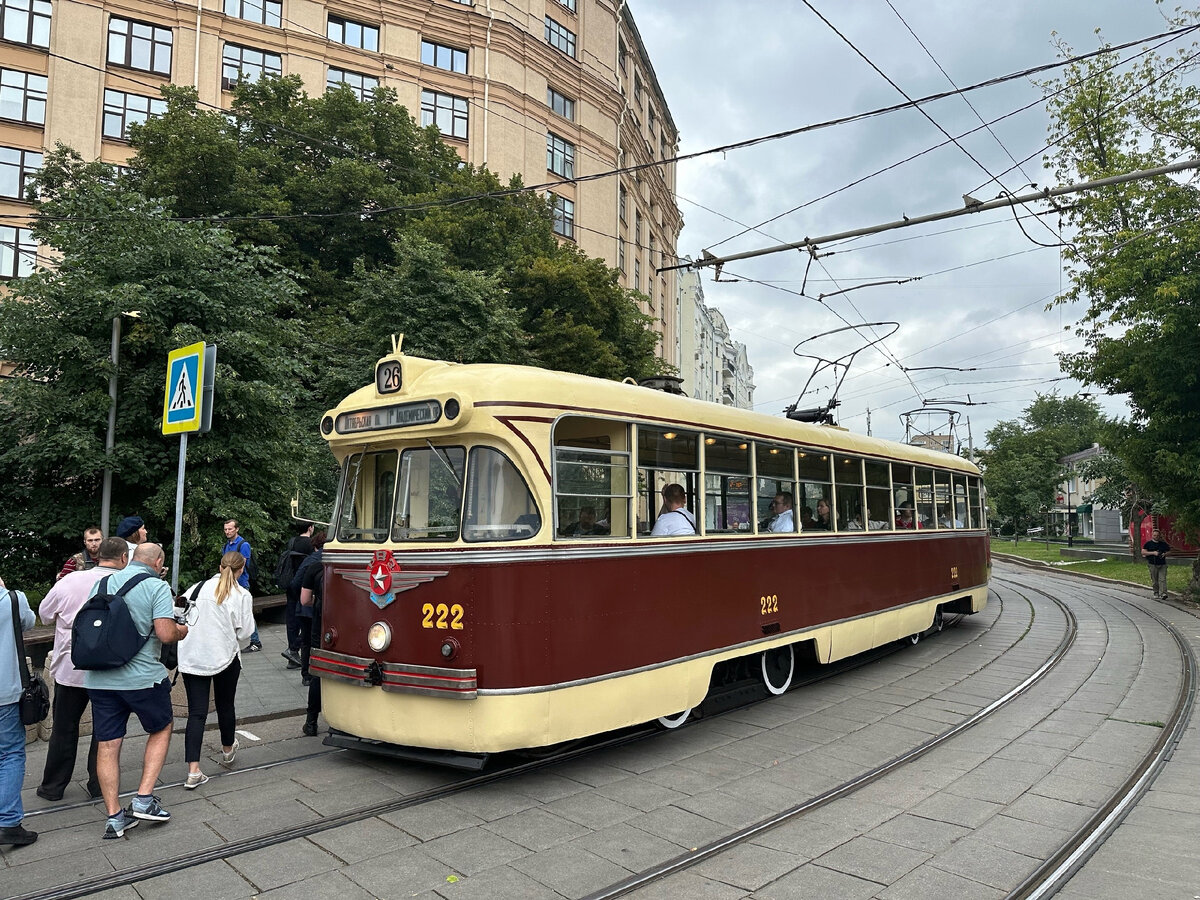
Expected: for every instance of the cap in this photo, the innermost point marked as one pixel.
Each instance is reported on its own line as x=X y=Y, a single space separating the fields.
x=129 y=526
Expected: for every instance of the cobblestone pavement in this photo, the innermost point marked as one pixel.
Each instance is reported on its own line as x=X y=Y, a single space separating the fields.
x=966 y=820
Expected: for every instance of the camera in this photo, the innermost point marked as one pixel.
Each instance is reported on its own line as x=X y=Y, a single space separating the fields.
x=181 y=617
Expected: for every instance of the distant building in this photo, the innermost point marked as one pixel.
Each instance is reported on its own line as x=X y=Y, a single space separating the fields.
x=943 y=443
x=713 y=366
x=552 y=90
x=1074 y=495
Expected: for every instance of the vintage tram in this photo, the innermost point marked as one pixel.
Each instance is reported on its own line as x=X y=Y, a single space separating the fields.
x=492 y=580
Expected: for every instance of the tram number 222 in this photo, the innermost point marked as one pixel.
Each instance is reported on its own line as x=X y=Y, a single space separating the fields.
x=442 y=616
x=769 y=604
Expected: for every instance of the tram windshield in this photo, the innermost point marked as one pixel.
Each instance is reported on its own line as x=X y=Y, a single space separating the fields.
x=432 y=494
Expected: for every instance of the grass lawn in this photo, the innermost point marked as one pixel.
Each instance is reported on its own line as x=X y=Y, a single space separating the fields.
x=1120 y=568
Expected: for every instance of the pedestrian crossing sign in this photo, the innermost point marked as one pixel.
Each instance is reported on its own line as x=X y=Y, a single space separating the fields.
x=185 y=379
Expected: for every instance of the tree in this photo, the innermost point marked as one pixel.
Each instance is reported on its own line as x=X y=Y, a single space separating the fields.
x=173 y=283
x=1021 y=464
x=1132 y=258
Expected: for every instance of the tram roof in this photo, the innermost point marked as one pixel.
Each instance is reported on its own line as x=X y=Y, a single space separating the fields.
x=565 y=393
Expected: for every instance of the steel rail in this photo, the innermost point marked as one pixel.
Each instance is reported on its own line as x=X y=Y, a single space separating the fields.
x=692 y=857
x=1056 y=871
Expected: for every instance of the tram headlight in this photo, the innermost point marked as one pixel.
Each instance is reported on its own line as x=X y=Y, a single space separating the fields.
x=379 y=636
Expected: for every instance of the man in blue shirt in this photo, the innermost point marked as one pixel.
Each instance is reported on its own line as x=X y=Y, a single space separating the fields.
x=141 y=686
x=12 y=731
x=234 y=541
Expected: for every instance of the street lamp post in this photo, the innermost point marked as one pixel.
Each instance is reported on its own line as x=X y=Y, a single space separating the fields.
x=110 y=438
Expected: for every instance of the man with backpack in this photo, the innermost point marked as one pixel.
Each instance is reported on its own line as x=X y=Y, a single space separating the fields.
x=234 y=541
x=138 y=686
x=293 y=555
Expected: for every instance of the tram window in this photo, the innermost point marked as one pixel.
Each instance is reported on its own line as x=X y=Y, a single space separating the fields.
x=368 y=488
x=879 y=496
x=962 y=518
x=775 y=469
x=588 y=486
x=727 y=485
x=814 y=490
x=902 y=493
x=665 y=456
x=944 y=499
x=975 y=498
x=499 y=505
x=429 y=501
x=923 y=479
x=848 y=472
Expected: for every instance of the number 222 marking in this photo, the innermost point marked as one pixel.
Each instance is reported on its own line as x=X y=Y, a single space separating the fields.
x=769 y=604
x=454 y=613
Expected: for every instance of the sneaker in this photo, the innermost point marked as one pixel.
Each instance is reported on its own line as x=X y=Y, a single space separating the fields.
x=17 y=836
x=117 y=825
x=305 y=680
x=151 y=810
x=228 y=758
x=48 y=795
x=194 y=780
x=310 y=728
x=254 y=648
x=292 y=657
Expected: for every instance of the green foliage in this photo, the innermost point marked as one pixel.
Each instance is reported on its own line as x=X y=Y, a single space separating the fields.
x=1133 y=260
x=1021 y=463
x=171 y=283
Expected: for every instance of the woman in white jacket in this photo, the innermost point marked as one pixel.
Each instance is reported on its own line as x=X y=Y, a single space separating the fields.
x=219 y=622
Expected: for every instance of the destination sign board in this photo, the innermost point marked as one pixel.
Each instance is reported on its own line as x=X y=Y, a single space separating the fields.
x=401 y=415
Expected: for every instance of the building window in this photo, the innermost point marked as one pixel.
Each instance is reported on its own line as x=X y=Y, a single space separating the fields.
x=138 y=45
x=560 y=38
x=622 y=199
x=637 y=89
x=560 y=156
x=637 y=274
x=122 y=110
x=23 y=96
x=564 y=216
x=17 y=167
x=447 y=112
x=621 y=254
x=622 y=57
x=353 y=34
x=560 y=103
x=18 y=252
x=264 y=12
x=637 y=228
x=362 y=85
x=248 y=64
x=569 y=4
x=443 y=57
x=26 y=22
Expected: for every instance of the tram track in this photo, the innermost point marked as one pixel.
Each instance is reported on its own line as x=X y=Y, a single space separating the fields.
x=233 y=848
x=194 y=858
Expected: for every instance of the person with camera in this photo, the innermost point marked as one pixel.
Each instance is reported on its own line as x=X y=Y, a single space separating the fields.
x=12 y=731
x=220 y=613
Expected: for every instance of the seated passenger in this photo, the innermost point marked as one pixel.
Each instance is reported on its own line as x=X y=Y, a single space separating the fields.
x=824 y=519
x=587 y=524
x=855 y=523
x=806 y=518
x=785 y=519
x=904 y=516
x=674 y=517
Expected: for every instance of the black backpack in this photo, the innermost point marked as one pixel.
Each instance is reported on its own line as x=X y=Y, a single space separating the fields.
x=104 y=635
x=287 y=564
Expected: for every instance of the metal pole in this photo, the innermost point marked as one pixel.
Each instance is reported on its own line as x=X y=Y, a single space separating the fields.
x=110 y=440
x=178 y=514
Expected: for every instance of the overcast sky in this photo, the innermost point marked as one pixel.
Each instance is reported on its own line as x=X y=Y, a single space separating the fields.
x=737 y=69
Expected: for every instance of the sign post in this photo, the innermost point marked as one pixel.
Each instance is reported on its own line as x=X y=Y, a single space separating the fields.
x=187 y=407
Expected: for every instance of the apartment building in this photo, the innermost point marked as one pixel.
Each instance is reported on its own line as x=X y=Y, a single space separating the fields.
x=714 y=366
x=555 y=90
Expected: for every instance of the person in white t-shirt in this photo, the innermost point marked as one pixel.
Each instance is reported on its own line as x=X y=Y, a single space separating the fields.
x=674 y=517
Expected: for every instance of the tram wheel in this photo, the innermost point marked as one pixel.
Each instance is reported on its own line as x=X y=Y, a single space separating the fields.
x=914 y=639
x=670 y=722
x=938 y=621
x=778 y=666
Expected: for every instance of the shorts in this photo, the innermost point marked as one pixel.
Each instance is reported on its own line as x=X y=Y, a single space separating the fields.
x=111 y=709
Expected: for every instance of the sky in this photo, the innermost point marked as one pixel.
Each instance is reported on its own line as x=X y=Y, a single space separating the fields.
x=737 y=69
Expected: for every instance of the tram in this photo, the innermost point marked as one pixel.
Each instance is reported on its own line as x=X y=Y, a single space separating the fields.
x=493 y=581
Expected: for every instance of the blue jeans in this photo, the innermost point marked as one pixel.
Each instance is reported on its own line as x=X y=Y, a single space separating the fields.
x=12 y=765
